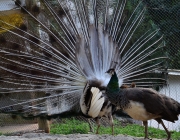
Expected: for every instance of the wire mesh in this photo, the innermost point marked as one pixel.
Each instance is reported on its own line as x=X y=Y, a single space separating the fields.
x=6 y=5
x=171 y=90
x=163 y=13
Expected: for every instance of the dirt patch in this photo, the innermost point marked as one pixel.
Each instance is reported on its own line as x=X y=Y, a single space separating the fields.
x=18 y=128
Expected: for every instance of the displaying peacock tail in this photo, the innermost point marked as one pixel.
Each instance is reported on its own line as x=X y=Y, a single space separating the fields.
x=50 y=51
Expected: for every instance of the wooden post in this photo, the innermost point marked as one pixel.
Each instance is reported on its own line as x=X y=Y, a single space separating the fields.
x=44 y=124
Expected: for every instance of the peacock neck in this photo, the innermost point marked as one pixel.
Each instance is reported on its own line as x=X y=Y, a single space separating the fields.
x=113 y=85
x=115 y=94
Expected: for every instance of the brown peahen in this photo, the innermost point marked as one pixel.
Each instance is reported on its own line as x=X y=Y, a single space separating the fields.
x=52 y=48
x=142 y=103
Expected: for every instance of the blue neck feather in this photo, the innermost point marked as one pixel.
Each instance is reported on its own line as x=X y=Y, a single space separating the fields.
x=113 y=85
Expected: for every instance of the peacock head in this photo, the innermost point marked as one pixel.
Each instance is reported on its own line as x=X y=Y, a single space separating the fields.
x=111 y=71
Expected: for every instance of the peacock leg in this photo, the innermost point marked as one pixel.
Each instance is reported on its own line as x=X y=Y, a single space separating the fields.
x=168 y=133
x=90 y=126
x=98 y=125
x=111 y=122
x=146 y=129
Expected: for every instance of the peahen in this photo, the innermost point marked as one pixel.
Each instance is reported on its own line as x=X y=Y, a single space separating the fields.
x=142 y=103
x=52 y=48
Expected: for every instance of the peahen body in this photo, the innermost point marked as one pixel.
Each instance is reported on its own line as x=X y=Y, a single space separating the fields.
x=142 y=103
x=52 y=48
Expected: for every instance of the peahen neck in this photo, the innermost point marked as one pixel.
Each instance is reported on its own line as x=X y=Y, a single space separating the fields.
x=113 y=85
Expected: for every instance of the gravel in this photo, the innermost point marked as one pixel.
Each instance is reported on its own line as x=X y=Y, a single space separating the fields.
x=44 y=136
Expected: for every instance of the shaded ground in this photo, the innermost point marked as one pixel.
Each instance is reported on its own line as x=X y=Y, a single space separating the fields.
x=18 y=128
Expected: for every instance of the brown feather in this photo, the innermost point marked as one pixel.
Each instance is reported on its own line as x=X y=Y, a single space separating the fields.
x=155 y=103
x=133 y=85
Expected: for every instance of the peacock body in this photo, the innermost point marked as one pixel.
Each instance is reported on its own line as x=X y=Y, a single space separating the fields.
x=142 y=103
x=58 y=46
x=94 y=104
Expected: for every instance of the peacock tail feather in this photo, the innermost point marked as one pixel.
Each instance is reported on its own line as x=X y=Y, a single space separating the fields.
x=48 y=56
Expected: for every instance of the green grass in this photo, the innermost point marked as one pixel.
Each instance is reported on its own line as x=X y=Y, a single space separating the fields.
x=71 y=126
x=5 y=134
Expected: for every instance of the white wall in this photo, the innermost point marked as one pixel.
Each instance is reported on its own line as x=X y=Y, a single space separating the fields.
x=173 y=91
x=6 y=5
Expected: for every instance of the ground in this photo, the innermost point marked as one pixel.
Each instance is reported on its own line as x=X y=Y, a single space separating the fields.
x=43 y=136
x=18 y=128
x=21 y=133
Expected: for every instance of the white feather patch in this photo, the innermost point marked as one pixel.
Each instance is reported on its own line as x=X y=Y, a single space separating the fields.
x=83 y=106
x=138 y=112
x=96 y=102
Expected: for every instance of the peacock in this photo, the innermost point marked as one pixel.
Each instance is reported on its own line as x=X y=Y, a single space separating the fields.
x=142 y=103
x=51 y=49
x=95 y=104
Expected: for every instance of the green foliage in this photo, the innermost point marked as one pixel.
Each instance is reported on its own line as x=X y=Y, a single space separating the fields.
x=71 y=126
x=166 y=15
x=163 y=15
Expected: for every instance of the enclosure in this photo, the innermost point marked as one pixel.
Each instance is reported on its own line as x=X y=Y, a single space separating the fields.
x=60 y=113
